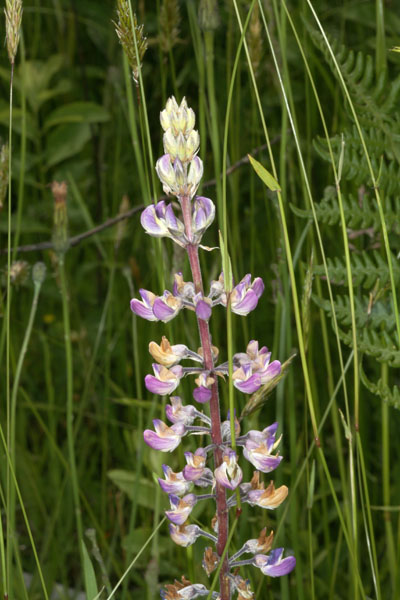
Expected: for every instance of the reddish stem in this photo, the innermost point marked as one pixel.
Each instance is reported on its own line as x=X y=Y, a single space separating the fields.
x=205 y=337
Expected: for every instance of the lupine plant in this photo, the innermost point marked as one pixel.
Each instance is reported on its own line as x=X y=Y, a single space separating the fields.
x=215 y=467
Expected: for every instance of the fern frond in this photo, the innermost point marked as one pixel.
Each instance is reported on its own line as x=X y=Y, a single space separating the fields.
x=382 y=154
x=380 y=316
x=367 y=268
x=377 y=345
x=381 y=389
x=375 y=98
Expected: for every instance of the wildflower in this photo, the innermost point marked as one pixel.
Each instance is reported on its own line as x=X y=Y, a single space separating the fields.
x=174 y=483
x=270 y=498
x=156 y=308
x=229 y=474
x=203 y=214
x=259 y=447
x=180 y=508
x=244 y=296
x=168 y=355
x=184 y=535
x=164 y=381
x=183 y=289
x=159 y=220
x=202 y=306
x=176 y=412
x=164 y=438
x=262 y=544
x=196 y=465
x=166 y=307
x=245 y=380
x=273 y=564
x=202 y=393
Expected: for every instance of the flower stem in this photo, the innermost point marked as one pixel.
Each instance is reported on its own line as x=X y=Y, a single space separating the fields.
x=205 y=338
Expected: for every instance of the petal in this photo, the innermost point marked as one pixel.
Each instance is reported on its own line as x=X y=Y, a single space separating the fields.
x=162 y=388
x=272 y=371
x=163 y=312
x=202 y=394
x=258 y=286
x=159 y=443
x=249 y=386
x=143 y=311
x=152 y=224
x=203 y=310
x=246 y=305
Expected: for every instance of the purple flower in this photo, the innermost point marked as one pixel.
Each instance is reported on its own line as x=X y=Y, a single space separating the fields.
x=259 y=446
x=196 y=464
x=202 y=393
x=244 y=296
x=259 y=361
x=144 y=308
x=174 y=483
x=260 y=456
x=203 y=214
x=164 y=381
x=273 y=564
x=202 y=306
x=167 y=306
x=229 y=474
x=164 y=438
x=245 y=380
x=177 y=412
x=184 y=535
x=180 y=508
x=156 y=308
x=159 y=220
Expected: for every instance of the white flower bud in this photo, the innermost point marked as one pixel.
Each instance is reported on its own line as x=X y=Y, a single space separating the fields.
x=170 y=144
x=192 y=144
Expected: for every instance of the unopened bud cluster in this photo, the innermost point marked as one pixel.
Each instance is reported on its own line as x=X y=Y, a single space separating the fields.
x=179 y=170
x=212 y=473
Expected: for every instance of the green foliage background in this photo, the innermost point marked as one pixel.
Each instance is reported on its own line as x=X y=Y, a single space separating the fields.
x=79 y=117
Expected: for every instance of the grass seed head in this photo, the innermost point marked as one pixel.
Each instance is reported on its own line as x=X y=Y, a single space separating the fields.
x=13 y=12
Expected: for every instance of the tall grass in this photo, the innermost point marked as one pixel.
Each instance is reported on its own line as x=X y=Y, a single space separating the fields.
x=72 y=358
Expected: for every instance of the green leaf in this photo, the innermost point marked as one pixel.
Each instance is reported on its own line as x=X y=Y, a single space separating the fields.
x=89 y=575
x=264 y=175
x=65 y=141
x=77 y=112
